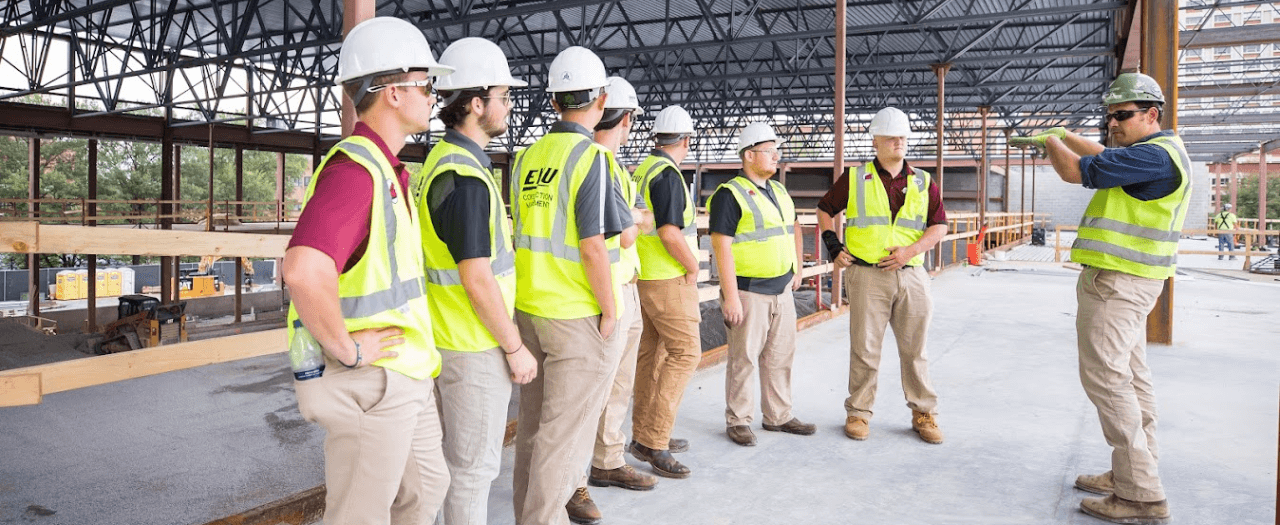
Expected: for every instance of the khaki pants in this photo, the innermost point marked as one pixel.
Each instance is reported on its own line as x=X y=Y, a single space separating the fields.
x=473 y=391
x=1111 y=326
x=670 y=350
x=878 y=299
x=382 y=457
x=559 y=410
x=610 y=441
x=765 y=339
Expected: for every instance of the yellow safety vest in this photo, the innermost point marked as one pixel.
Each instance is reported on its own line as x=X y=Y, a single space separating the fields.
x=655 y=263
x=1121 y=233
x=765 y=244
x=551 y=281
x=628 y=264
x=869 y=229
x=1225 y=221
x=456 y=325
x=385 y=287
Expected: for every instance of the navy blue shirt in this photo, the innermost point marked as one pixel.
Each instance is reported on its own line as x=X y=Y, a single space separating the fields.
x=1144 y=171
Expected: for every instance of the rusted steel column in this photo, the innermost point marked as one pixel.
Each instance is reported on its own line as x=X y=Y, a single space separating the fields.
x=1004 y=197
x=34 y=283
x=1160 y=61
x=353 y=12
x=1235 y=174
x=1022 y=193
x=837 y=166
x=91 y=209
x=982 y=170
x=1262 y=191
x=940 y=70
x=166 y=194
x=1215 y=198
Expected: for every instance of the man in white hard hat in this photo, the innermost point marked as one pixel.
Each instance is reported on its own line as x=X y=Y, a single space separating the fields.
x=759 y=249
x=1128 y=245
x=470 y=274
x=608 y=468
x=354 y=269
x=1225 y=220
x=568 y=215
x=671 y=347
x=894 y=215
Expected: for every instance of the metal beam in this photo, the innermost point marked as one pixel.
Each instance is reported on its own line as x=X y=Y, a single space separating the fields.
x=1246 y=89
x=1230 y=36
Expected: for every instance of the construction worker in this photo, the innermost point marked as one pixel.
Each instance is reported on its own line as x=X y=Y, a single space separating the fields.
x=758 y=247
x=1225 y=220
x=1128 y=244
x=568 y=215
x=359 y=324
x=608 y=468
x=671 y=347
x=894 y=216
x=471 y=279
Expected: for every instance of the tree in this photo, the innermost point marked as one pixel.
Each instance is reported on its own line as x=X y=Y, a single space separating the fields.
x=1247 y=197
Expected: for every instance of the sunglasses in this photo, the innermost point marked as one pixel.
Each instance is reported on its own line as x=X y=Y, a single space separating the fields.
x=1122 y=115
x=424 y=84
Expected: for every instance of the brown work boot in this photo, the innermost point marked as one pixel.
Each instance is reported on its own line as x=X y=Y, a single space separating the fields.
x=856 y=428
x=795 y=426
x=1096 y=483
x=677 y=445
x=624 y=476
x=581 y=509
x=663 y=463
x=742 y=435
x=1118 y=510
x=928 y=429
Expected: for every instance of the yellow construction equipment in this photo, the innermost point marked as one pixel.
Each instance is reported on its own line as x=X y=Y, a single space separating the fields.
x=143 y=322
x=206 y=264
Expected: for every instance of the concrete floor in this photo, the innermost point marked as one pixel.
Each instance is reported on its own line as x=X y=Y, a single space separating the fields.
x=192 y=446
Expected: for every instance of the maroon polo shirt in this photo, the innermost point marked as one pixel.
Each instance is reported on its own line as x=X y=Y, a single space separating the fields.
x=336 y=218
x=837 y=198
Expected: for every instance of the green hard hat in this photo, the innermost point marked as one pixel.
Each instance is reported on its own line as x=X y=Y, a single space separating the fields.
x=1133 y=87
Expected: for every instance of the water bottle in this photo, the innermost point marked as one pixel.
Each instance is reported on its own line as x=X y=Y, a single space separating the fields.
x=305 y=354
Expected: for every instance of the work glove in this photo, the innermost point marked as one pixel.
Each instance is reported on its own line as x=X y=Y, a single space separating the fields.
x=832 y=241
x=1039 y=139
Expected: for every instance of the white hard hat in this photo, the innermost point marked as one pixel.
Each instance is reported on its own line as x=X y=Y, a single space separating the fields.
x=576 y=69
x=1226 y=206
x=477 y=63
x=622 y=95
x=386 y=44
x=890 y=122
x=673 y=120
x=755 y=133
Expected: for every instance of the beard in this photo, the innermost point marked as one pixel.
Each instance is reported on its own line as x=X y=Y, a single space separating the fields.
x=492 y=126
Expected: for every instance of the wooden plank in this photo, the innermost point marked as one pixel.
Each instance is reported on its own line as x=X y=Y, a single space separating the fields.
x=20 y=389
x=30 y=237
x=19 y=237
x=92 y=371
x=818 y=270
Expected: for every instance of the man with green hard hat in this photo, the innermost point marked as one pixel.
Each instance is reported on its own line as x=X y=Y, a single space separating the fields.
x=1127 y=243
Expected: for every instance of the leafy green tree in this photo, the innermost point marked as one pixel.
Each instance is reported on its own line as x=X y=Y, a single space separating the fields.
x=1247 y=197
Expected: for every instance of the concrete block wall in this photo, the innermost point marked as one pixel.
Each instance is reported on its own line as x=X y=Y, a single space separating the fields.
x=1067 y=202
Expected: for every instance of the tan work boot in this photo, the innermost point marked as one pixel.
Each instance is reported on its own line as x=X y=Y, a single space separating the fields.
x=928 y=429
x=581 y=509
x=624 y=476
x=1096 y=483
x=1119 y=510
x=856 y=428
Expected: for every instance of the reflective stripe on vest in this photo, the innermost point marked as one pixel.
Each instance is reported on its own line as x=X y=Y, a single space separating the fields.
x=561 y=249
x=385 y=287
x=868 y=234
x=1121 y=233
x=762 y=248
x=457 y=326
x=655 y=262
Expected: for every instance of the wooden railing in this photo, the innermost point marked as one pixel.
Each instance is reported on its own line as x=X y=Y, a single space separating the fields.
x=147 y=211
x=1247 y=252
x=1003 y=229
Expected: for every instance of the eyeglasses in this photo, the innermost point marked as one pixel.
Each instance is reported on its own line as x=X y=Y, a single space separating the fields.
x=505 y=98
x=424 y=84
x=1122 y=115
x=772 y=152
